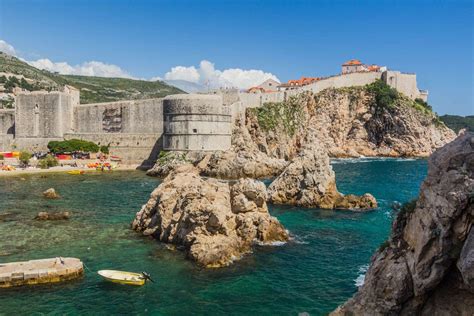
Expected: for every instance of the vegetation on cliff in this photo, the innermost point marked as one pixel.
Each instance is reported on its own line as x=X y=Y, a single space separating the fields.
x=92 y=89
x=456 y=122
x=280 y=115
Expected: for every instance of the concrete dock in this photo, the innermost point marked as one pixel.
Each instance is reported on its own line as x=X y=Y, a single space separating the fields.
x=41 y=271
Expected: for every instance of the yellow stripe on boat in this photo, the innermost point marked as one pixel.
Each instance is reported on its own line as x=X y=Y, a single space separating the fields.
x=76 y=172
x=122 y=277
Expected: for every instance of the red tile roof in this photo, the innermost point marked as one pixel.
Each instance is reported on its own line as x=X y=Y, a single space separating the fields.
x=352 y=62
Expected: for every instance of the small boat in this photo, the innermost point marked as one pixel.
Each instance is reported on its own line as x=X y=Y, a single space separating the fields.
x=76 y=172
x=123 y=277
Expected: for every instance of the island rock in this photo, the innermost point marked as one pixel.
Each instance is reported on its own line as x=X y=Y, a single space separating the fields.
x=51 y=194
x=309 y=181
x=215 y=221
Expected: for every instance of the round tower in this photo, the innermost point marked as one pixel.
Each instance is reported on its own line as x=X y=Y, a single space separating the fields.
x=196 y=122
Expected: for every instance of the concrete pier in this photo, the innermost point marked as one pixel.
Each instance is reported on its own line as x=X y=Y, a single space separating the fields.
x=40 y=271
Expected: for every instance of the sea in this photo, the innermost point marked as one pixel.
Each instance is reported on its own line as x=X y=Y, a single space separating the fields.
x=318 y=269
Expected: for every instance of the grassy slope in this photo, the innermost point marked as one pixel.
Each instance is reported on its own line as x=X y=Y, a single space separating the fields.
x=93 y=89
x=456 y=122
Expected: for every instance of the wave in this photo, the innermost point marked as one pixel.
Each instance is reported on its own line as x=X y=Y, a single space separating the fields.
x=359 y=281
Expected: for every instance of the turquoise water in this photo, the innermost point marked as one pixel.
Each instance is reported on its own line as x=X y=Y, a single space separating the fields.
x=313 y=273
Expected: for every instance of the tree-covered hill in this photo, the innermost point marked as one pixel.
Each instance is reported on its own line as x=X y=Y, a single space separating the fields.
x=456 y=122
x=93 y=89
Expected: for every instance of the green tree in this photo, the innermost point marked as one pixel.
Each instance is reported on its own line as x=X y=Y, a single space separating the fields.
x=24 y=158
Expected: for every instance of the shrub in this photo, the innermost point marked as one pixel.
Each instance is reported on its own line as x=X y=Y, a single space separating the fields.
x=72 y=145
x=48 y=162
x=424 y=104
x=105 y=149
x=384 y=95
x=275 y=115
x=24 y=158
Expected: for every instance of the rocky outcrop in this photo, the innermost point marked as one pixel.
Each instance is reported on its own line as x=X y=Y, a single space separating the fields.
x=309 y=181
x=216 y=222
x=349 y=123
x=427 y=266
x=51 y=194
x=45 y=216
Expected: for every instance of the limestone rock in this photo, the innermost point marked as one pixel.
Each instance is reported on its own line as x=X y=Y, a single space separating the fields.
x=51 y=194
x=309 y=181
x=427 y=267
x=215 y=221
x=45 y=216
x=348 y=124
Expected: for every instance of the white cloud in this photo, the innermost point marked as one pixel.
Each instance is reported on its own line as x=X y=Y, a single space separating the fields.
x=90 y=68
x=7 y=48
x=206 y=74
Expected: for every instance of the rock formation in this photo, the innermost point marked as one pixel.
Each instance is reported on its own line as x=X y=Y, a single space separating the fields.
x=215 y=221
x=427 y=267
x=51 y=194
x=349 y=123
x=309 y=181
x=45 y=216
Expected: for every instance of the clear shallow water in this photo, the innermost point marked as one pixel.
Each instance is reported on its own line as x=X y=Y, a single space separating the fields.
x=314 y=273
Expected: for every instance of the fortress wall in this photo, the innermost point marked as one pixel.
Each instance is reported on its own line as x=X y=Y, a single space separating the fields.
x=43 y=115
x=131 y=148
x=403 y=82
x=6 y=141
x=137 y=116
x=7 y=121
x=196 y=122
x=346 y=80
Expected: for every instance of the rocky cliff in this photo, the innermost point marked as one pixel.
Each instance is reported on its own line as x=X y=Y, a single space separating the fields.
x=350 y=122
x=214 y=221
x=427 y=266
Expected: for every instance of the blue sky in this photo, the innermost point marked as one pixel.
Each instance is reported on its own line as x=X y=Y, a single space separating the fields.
x=285 y=38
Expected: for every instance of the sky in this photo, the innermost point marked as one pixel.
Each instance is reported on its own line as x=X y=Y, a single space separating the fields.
x=244 y=42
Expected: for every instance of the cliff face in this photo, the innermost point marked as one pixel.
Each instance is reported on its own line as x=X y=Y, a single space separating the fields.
x=427 y=267
x=350 y=122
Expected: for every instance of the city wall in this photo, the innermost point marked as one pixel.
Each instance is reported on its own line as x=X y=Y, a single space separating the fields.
x=138 y=130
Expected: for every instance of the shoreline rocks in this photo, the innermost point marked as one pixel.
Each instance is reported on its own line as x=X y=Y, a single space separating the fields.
x=216 y=222
x=427 y=266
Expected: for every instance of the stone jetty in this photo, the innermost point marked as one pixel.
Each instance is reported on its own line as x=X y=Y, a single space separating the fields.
x=40 y=271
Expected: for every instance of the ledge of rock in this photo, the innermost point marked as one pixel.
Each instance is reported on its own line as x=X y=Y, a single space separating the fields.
x=427 y=267
x=215 y=221
x=309 y=181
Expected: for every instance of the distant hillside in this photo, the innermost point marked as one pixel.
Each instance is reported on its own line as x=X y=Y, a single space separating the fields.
x=189 y=87
x=93 y=89
x=456 y=122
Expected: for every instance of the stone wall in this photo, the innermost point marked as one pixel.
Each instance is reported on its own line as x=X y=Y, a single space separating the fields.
x=196 y=122
x=47 y=115
x=7 y=121
x=136 y=116
x=142 y=148
x=404 y=83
